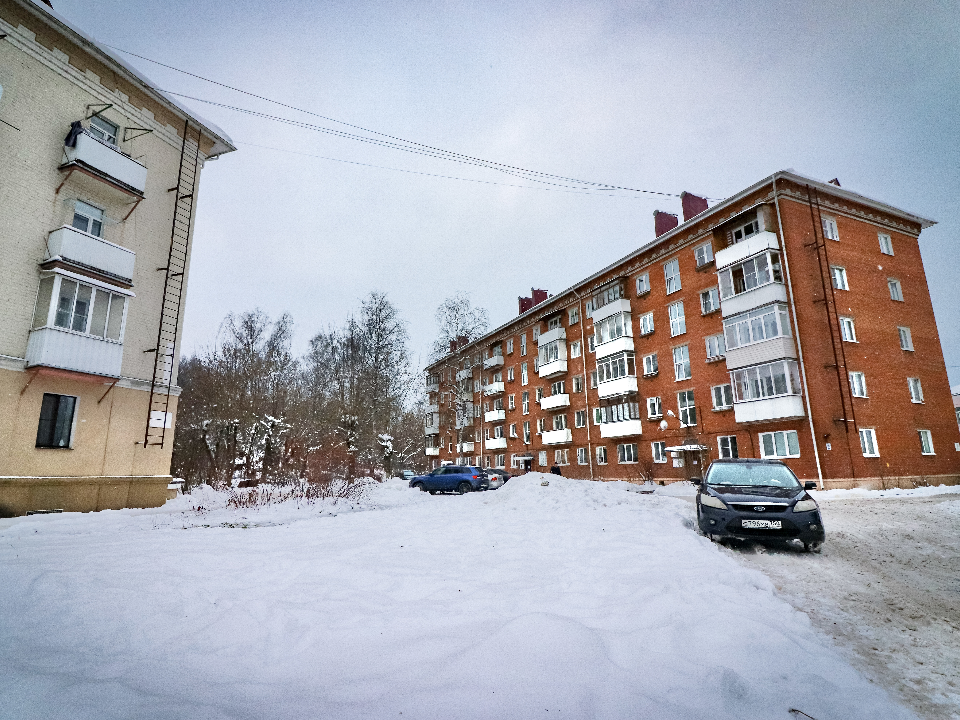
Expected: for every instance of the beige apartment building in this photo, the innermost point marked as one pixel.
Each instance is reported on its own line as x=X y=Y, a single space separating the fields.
x=99 y=179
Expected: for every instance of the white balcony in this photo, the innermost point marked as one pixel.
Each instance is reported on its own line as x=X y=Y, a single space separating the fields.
x=495 y=388
x=752 y=299
x=495 y=416
x=615 y=388
x=550 y=335
x=493 y=362
x=464 y=374
x=68 y=350
x=557 y=437
x=778 y=408
x=433 y=386
x=624 y=428
x=617 y=306
x=495 y=444
x=555 y=402
x=78 y=247
x=550 y=369
x=432 y=409
x=610 y=347
x=746 y=248
x=431 y=429
x=761 y=352
x=465 y=447
x=432 y=451
x=107 y=161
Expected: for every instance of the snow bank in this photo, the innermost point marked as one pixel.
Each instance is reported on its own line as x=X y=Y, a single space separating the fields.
x=575 y=599
x=895 y=492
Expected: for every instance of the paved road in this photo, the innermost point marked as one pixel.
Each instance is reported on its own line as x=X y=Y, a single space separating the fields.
x=887 y=589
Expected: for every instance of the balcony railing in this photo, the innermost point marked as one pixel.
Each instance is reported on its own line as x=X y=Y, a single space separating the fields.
x=550 y=335
x=620 y=344
x=89 y=251
x=552 y=368
x=432 y=451
x=68 y=350
x=753 y=245
x=495 y=416
x=465 y=447
x=776 y=408
x=495 y=443
x=557 y=437
x=464 y=374
x=611 y=308
x=620 y=386
x=493 y=362
x=107 y=162
x=495 y=388
x=624 y=428
x=554 y=402
x=431 y=429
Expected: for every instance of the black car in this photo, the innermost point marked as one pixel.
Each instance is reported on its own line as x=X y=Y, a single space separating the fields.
x=751 y=499
x=452 y=478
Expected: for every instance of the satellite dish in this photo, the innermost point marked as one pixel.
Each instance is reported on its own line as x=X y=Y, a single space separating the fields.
x=663 y=424
x=670 y=413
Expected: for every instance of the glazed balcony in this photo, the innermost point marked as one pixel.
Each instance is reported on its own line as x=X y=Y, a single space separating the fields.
x=495 y=443
x=465 y=447
x=495 y=388
x=75 y=247
x=493 y=362
x=105 y=162
x=432 y=451
x=624 y=428
x=611 y=308
x=557 y=437
x=776 y=408
x=552 y=368
x=431 y=429
x=495 y=416
x=620 y=344
x=753 y=245
x=68 y=350
x=550 y=335
x=555 y=402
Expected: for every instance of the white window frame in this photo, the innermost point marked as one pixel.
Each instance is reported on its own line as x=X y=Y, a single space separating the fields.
x=681 y=363
x=906 y=338
x=524 y=376
x=645 y=322
x=738 y=330
x=671 y=274
x=916 y=390
x=785 y=437
x=510 y=374
x=509 y=346
x=727 y=446
x=858 y=384
x=575 y=349
x=650 y=365
x=868 y=442
x=583 y=456
x=926 y=442
x=830 y=229
x=573 y=316
x=886 y=243
x=601 y=455
x=703 y=254
x=92 y=216
x=838 y=276
x=848 y=329
x=577 y=383
x=627 y=454
x=659 y=450
x=511 y=402
x=525 y=402
x=526 y=431
x=678 y=320
x=108 y=134
x=643 y=284
x=722 y=396
x=654 y=408
x=561 y=456
x=580 y=418
x=687 y=408
x=742 y=232
x=716 y=347
x=523 y=344
x=709 y=300
x=896 y=289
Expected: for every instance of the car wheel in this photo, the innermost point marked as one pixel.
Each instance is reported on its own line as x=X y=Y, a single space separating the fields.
x=464 y=488
x=433 y=492
x=813 y=547
x=420 y=486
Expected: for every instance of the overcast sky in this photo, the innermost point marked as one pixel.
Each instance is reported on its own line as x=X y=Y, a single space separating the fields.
x=668 y=96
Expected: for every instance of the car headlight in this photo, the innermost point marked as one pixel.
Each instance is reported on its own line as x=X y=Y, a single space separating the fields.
x=711 y=501
x=805 y=506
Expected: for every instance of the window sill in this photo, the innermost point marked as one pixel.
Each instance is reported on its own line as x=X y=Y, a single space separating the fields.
x=706 y=266
x=722 y=409
x=709 y=312
x=716 y=359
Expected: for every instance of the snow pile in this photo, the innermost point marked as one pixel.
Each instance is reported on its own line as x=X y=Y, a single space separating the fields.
x=575 y=599
x=892 y=493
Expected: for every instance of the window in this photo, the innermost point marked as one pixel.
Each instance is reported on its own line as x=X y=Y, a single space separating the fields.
x=509 y=346
x=654 y=408
x=715 y=347
x=573 y=316
x=88 y=218
x=650 y=364
x=513 y=430
x=619 y=413
x=578 y=383
x=526 y=431
x=756 y=326
x=839 y=277
x=906 y=340
x=847 y=329
x=510 y=402
x=609 y=294
x=681 y=363
x=590 y=344
x=510 y=373
x=557 y=388
x=671 y=271
x=601 y=455
x=476 y=411
x=560 y=422
x=727 y=446
x=765 y=381
x=561 y=457
x=643 y=284
x=539 y=394
x=535 y=332
x=926 y=442
x=830 y=231
x=523 y=344
x=916 y=391
x=858 y=384
x=582 y=457
x=575 y=349
x=525 y=402
x=501 y=460
x=542 y=458
x=55 y=429
x=80 y=308
x=868 y=442
x=597 y=416
x=886 y=244
x=722 y=396
x=896 y=291
x=744 y=231
x=476 y=386
x=627 y=453
x=659 y=449
x=750 y=274
x=541 y=425
x=688 y=411
x=616 y=366
x=646 y=323
x=553 y=323
x=498 y=432
x=523 y=373
x=611 y=328
x=580 y=418
x=703 y=254
x=104 y=130
x=709 y=301
x=678 y=323
x=780 y=444
x=551 y=352
x=593 y=379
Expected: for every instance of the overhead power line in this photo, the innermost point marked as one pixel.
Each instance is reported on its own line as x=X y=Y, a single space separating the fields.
x=391 y=141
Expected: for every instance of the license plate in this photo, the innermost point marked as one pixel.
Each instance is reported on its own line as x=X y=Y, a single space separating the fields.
x=762 y=524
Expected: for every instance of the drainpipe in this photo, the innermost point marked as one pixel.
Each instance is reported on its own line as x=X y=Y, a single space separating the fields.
x=796 y=331
x=586 y=396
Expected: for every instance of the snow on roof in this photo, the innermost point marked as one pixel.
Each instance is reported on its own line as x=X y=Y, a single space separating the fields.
x=222 y=142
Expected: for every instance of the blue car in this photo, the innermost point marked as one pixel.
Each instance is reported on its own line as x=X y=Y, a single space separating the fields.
x=757 y=499
x=452 y=478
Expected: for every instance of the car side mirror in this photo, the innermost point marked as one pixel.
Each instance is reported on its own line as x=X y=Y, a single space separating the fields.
x=810 y=485
x=696 y=481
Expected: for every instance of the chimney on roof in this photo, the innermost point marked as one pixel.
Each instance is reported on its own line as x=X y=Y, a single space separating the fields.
x=460 y=342
x=663 y=222
x=835 y=181
x=692 y=204
x=538 y=296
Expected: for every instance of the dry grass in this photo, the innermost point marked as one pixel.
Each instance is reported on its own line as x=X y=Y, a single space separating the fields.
x=301 y=492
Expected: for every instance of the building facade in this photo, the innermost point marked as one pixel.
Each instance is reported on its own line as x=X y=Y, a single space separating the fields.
x=792 y=321
x=98 y=190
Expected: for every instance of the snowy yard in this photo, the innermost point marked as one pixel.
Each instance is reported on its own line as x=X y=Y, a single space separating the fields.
x=574 y=600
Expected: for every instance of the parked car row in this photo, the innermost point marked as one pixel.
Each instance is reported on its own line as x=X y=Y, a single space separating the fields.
x=459 y=479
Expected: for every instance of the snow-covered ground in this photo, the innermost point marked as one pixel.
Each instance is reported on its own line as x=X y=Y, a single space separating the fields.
x=575 y=599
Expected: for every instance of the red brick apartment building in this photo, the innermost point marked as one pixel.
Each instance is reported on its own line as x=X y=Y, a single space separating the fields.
x=792 y=320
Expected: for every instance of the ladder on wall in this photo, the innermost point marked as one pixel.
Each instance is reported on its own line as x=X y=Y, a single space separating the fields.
x=159 y=418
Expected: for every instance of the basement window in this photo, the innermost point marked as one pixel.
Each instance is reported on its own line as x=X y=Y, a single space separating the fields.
x=55 y=429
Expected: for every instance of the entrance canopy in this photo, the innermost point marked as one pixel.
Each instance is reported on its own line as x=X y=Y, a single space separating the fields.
x=683 y=448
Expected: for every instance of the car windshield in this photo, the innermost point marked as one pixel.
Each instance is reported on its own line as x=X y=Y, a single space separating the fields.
x=752 y=475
